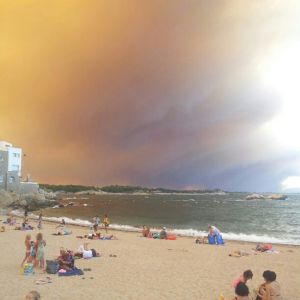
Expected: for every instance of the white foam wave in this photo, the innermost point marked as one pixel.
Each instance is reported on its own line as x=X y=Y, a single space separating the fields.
x=289 y=240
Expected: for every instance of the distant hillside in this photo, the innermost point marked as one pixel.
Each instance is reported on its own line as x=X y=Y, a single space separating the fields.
x=128 y=189
x=70 y=188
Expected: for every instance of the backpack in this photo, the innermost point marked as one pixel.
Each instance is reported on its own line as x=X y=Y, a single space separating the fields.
x=52 y=266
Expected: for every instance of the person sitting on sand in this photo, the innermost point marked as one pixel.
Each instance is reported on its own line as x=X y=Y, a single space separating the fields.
x=270 y=289
x=27 y=247
x=163 y=234
x=33 y=295
x=242 y=292
x=213 y=230
x=61 y=224
x=201 y=240
x=214 y=235
x=145 y=231
x=26 y=226
x=243 y=278
x=66 y=260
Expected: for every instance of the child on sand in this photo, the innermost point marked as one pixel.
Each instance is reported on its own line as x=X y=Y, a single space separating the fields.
x=33 y=295
x=40 y=245
x=28 y=247
x=243 y=278
x=242 y=292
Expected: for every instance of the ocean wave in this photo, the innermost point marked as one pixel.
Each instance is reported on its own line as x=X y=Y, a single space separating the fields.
x=288 y=240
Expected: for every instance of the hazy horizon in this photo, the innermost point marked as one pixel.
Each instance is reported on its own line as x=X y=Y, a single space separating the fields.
x=193 y=94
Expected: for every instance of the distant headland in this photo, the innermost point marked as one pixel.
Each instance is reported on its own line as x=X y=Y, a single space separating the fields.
x=124 y=189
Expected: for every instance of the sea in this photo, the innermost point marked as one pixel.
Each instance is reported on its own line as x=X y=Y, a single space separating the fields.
x=264 y=221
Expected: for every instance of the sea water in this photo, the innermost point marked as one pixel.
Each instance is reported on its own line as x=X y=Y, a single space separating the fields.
x=274 y=221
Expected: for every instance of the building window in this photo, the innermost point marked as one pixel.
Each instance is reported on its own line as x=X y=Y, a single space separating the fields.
x=1 y=178
x=15 y=168
x=11 y=179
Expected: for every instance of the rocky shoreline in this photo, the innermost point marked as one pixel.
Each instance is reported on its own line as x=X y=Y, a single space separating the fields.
x=32 y=202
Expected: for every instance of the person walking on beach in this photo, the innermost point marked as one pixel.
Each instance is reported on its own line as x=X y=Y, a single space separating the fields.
x=106 y=222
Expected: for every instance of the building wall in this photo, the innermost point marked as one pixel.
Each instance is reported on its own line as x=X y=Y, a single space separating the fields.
x=13 y=181
x=28 y=187
x=15 y=160
x=3 y=168
x=11 y=170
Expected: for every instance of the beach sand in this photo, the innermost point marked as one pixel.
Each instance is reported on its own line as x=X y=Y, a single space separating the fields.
x=144 y=268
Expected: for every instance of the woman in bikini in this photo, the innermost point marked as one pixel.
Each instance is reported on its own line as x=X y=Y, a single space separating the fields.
x=27 y=246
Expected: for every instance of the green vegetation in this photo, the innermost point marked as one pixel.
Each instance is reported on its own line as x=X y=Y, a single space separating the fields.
x=129 y=189
x=70 y=188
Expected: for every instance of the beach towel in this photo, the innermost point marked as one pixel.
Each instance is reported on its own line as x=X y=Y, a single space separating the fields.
x=73 y=272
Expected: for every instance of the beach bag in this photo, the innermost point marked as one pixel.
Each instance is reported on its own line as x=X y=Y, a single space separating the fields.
x=28 y=269
x=52 y=266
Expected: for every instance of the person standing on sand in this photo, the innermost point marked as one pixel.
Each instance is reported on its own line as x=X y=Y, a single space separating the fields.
x=27 y=246
x=40 y=245
x=39 y=226
x=106 y=222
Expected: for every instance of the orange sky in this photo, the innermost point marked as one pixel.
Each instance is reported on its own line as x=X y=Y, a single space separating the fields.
x=139 y=92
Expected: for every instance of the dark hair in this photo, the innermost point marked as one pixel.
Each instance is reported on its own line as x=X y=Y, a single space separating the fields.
x=248 y=274
x=241 y=289
x=269 y=275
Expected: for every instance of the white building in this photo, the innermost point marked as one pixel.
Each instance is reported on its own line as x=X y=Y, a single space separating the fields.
x=14 y=157
x=11 y=170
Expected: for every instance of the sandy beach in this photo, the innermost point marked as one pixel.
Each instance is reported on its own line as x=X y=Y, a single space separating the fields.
x=143 y=268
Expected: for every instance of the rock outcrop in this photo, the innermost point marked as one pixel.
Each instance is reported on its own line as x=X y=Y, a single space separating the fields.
x=32 y=201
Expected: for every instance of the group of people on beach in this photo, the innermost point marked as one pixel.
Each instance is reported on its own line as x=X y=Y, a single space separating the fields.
x=268 y=290
x=97 y=222
x=35 y=251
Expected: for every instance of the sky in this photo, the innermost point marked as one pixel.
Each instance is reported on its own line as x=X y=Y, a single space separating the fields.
x=178 y=94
